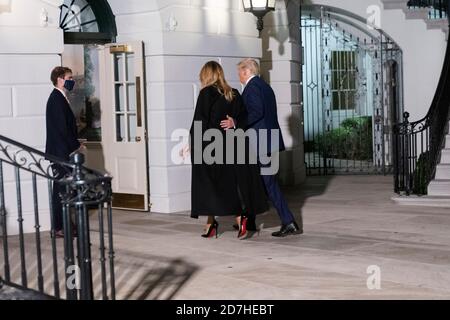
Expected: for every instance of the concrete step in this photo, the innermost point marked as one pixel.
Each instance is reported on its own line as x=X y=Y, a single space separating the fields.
x=437 y=24
x=394 y=4
x=443 y=172
x=439 y=188
x=422 y=201
x=12 y=292
x=445 y=156
x=414 y=14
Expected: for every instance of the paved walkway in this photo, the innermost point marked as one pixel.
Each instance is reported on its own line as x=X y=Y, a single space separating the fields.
x=350 y=225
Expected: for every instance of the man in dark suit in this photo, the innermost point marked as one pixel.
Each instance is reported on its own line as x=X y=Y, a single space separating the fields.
x=261 y=104
x=62 y=135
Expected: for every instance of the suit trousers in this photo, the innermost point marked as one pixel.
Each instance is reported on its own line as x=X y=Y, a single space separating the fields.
x=277 y=198
x=58 y=173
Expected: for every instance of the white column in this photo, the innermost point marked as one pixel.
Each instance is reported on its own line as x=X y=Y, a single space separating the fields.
x=281 y=67
x=180 y=36
x=30 y=44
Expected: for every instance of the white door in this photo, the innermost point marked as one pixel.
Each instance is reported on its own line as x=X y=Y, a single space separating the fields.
x=124 y=134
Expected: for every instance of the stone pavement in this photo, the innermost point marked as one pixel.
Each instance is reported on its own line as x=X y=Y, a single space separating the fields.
x=350 y=225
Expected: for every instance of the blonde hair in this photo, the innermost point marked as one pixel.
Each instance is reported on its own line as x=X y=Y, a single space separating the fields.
x=212 y=75
x=250 y=64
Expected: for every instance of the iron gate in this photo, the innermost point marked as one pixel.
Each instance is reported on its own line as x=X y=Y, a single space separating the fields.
x=351 y=94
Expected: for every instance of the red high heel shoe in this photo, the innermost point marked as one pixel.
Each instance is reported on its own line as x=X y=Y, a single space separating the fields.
x=212 y=231
x=243 y=227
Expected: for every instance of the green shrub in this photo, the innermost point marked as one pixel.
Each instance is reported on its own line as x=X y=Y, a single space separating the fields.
x=352 y=140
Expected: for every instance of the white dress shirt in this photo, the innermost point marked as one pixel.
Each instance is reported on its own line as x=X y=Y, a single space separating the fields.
x=63 y=93
x=249 y=79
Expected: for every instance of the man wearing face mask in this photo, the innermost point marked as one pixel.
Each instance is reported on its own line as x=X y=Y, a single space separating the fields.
x=62 y=135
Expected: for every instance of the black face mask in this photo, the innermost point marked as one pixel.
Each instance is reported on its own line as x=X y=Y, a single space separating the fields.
x=69 y=85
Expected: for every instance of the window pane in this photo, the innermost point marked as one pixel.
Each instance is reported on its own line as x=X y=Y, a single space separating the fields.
x=352 y=80
x=118 y=68
x=120 y=97
x=88 y=20
x=85 y=98
x=78 y=16
x=130 y=67
x=343 y=60
x=120 y=128
x=132 y=125
x=92 y=131
x=335 y=101
x=351 y=100
x=344 y=100
x=346 y=84
x=334 y=60
x=335 y=80
x=131 y=97
x=347 y=60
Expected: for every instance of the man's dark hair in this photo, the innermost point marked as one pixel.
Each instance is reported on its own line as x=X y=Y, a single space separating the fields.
x=59 y=72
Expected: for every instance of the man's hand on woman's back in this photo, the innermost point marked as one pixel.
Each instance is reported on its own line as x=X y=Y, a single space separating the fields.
x=228 y=124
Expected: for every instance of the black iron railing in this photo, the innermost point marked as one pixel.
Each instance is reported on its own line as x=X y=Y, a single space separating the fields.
x=437 y=8
x=82 y=191
x=418 y=144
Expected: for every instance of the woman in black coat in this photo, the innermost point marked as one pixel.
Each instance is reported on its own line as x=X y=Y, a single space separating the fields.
x=221 y=187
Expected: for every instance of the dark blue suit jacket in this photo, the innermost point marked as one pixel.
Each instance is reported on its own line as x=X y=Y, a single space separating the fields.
x=62 y=132
x=261 y=105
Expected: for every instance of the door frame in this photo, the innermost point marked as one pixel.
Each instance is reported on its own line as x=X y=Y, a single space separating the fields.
x=105 y=53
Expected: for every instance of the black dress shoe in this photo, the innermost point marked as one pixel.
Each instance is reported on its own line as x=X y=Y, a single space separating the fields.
x=290 y=229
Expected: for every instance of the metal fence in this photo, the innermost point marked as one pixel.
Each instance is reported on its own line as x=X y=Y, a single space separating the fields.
x=437 y=8
x=26 y=177
x=418 y=144
x=352 y=93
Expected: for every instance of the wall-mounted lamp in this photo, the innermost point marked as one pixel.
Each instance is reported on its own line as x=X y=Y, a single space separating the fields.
x=259 y=8
x=5 y=6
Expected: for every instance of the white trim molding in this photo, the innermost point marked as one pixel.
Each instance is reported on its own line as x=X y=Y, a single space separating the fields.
x=53 y=3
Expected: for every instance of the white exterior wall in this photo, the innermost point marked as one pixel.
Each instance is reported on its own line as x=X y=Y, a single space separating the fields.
x=29 y=50
x=281 y=67
x=423 y=51
x=180 y=36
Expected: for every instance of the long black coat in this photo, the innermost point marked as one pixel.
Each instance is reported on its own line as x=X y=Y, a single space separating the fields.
x=61 y=127
x=223 y=189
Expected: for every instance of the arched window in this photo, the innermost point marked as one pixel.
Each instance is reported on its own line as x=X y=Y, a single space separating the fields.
x=86 y=24
x=87 y=21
